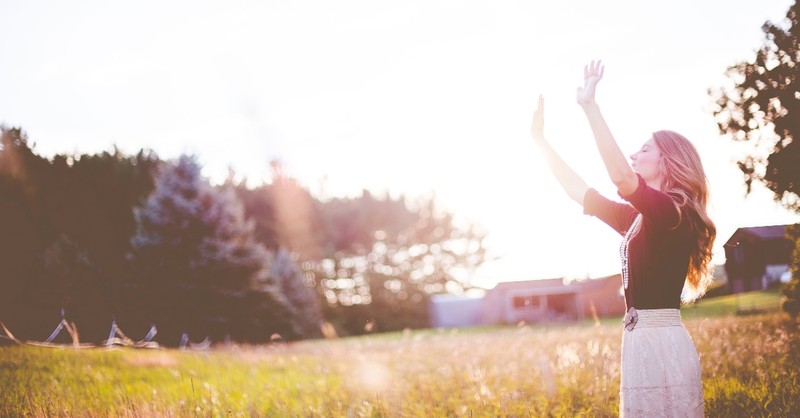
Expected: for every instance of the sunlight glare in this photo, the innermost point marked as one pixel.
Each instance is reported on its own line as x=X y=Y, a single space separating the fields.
x=373 y=376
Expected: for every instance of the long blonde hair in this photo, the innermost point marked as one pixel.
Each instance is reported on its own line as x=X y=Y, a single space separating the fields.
x=685 y=181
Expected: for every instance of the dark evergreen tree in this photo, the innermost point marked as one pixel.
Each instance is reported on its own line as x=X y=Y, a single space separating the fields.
x=302 y=299
x=67 y=222
x=24 y=235
x=198 y=268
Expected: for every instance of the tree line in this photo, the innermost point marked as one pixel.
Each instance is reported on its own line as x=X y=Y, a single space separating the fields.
x=144 y=241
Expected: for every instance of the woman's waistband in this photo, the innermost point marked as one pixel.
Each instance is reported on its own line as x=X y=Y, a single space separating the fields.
x=651 y=318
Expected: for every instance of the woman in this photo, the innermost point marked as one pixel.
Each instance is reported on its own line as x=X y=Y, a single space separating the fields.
x=665 y=251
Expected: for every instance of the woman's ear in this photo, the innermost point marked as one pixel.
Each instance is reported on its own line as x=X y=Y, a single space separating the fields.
x=662 y=164
x=663 y=172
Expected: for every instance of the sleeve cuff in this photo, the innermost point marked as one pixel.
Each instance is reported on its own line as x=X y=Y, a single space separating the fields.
x=639 y=187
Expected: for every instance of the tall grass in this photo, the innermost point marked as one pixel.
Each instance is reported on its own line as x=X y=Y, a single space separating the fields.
x=750 y=368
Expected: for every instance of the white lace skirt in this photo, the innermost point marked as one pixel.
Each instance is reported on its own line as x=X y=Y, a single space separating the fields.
x=660 y=367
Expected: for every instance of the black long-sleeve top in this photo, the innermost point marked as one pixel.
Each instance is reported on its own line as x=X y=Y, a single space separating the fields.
x=657 y=254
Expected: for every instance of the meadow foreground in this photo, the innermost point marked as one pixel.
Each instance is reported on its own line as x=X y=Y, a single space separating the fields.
x=750 y=368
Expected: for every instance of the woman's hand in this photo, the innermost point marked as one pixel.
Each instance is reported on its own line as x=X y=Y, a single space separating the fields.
x=569 y=180
x=592 y=74
x=537 y=125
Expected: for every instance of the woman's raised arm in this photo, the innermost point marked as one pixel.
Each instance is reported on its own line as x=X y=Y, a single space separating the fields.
x=616 y=164
x=570 y=181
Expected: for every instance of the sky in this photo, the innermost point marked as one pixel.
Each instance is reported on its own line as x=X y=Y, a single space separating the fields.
x=413 y=98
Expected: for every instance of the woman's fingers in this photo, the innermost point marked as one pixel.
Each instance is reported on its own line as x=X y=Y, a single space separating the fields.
x=537 y=125
x=594 y=69
x=539 y=107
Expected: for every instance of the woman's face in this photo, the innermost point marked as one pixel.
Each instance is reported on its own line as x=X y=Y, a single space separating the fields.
x=645 y=162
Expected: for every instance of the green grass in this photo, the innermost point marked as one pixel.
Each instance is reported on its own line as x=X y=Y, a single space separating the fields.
x=751 y=367
x=741 y=304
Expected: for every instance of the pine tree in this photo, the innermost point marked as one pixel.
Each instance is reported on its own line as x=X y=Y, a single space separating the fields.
x=198 y=264
x=303 y=301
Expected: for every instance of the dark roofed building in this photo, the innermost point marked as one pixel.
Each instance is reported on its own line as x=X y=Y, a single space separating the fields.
x=756 y=257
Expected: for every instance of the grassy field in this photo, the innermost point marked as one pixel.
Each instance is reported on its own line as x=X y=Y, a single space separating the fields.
x=741 y=304
x=751 y=367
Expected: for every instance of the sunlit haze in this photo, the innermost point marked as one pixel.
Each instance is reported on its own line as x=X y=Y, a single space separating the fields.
x=411 y=97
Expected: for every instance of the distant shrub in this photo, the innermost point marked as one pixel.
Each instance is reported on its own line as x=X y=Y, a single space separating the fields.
x=791 y=290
